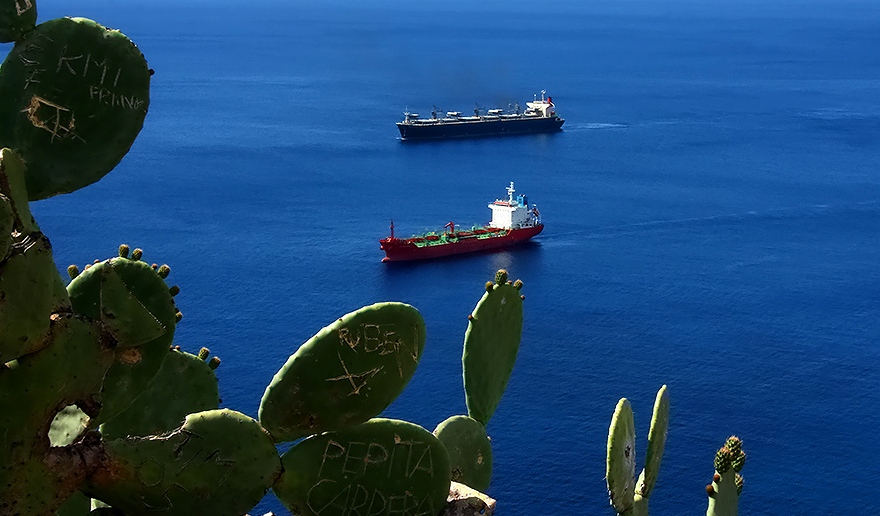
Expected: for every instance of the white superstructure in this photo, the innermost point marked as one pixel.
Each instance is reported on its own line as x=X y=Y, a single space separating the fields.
x=513 y=213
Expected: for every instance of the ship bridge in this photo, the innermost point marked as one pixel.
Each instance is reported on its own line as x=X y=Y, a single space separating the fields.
x=513 y=213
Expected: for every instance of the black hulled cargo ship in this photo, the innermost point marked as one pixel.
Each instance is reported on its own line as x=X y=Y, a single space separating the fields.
x=539 y=117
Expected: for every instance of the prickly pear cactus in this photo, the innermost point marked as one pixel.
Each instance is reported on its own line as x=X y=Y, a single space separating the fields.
x=219 y=462
x=383 y=466
x=727 y=483
x=185 y=384
x=628 y=496
x=16 y=18
x=75 y=95
x=470 y=451
x=347 y=373
x=135 y=304
x=491 y=343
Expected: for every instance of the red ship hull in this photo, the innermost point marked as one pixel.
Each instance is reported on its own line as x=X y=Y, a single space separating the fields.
x=407 y=249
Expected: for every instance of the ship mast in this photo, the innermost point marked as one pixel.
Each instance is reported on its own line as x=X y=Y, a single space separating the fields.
x=510 y=191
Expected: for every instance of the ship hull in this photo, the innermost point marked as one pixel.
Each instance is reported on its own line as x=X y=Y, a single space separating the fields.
x=467 y=128
x=399 y=250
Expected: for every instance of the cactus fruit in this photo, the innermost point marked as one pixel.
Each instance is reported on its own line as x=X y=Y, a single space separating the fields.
x=218 y=462
x=491 y=344
x=627 y=496
x=184 y=385
x=347 y=373
x=383 y=466
x=75 y=95
x=16 y=18
x=726 y=483
x=470 y=451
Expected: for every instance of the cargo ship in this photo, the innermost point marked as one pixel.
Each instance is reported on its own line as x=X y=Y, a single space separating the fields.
x=514 y=221
x=539 y=117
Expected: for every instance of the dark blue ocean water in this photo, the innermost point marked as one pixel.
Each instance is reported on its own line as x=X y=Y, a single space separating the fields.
x=712 y=214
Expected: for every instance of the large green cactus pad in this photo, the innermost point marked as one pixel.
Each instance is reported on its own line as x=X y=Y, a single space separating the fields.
x=31 y=290
x=380 y=467
x=470 y=451
x=347 y=373
x=185 y=384
x=75 y=95
x=134 y=303
x=220 y=462
x=69 y=371
x=491 y=343
x=620 y=464
x=16 y=18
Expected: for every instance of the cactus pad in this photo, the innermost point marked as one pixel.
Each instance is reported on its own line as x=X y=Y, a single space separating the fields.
x=656 y=444
x=75 y=97
x=184 y=385
x=382 y=467
x=491 y=343
x=220 y=462
x=620 y=470
x=134 y=304
x=470 y=451
x=69 y=371
x=16 y=18
x=347 y=373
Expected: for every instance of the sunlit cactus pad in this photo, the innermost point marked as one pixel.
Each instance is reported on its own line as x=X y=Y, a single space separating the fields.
x=491 y=343
x=380 y=467
x=347 y=373
x=470 y=451
x=16 y=18
x=185 y=384
x=220 y=462
x=75 y=95
x=135 y=304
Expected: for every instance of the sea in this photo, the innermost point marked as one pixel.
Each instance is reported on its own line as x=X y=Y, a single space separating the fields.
x=712 y=212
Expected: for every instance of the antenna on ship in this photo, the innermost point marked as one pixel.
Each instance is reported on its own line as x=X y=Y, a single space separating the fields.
x=392 y=229
x=542 y=95
x=510 y=191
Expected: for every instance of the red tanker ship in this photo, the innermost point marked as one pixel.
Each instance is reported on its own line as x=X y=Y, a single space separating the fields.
x=513 y=221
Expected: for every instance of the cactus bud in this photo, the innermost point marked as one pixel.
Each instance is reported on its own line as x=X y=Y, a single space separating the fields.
x=710 y=490
x=470 y=317
x=155 y=266
x=203 y=353
x=164 y=271
x=734 y=444
x=739 y=483
x=716 y=478
x=214 y=362
x=88 y=265
x=522 y=297
x=518 y=284
x=501 y=277
x=123 y=250
x=72 y=271
x=178 y=316
x=137 y=253
x=489 y=285
x=174 y=290
x=723 y=459
x=96 y=262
